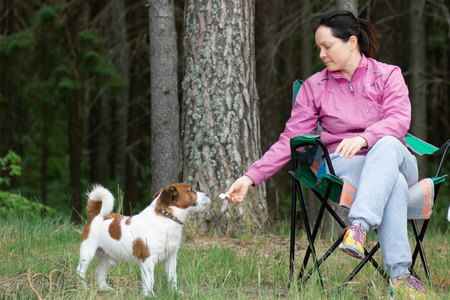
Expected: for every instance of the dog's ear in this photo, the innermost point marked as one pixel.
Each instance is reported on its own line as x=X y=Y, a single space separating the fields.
x=168 y=194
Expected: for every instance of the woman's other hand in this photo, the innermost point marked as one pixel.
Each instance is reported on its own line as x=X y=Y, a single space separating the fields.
x=348 y=147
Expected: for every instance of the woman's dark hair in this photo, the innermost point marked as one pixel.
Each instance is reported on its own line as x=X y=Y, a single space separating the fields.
x=344 y=24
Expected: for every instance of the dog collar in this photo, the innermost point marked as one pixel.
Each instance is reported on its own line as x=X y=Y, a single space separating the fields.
x=168 y=215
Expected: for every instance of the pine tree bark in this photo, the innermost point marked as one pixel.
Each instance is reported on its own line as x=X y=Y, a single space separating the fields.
x=138 y=104
x=165 y=137
x=416 y=80
x=221 y=135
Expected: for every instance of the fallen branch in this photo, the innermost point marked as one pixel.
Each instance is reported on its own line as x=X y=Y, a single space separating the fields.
x=30 y=277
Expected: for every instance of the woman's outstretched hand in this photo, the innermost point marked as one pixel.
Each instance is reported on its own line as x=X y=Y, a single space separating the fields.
x=348 y=147
x=239 y=189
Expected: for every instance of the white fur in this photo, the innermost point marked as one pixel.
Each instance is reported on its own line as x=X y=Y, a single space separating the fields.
x=99 y=193
x=161 y=235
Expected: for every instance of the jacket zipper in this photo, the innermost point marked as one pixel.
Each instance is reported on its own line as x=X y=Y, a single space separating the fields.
x=351 y=86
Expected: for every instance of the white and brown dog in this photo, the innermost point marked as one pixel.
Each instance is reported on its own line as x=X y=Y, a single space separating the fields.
x=145 y=239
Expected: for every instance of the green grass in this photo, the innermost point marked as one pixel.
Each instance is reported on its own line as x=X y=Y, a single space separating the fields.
x=35 y=251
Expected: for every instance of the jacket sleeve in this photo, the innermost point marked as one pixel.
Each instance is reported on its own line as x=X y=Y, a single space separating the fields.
x=303 y=120
x=395 y=111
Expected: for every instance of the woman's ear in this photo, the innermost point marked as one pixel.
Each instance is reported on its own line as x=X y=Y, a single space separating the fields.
x=353 y=42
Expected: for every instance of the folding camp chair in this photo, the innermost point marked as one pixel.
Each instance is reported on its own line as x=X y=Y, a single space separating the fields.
x=309 y=155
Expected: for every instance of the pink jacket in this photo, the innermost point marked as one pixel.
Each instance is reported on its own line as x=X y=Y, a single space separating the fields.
x=373 y=104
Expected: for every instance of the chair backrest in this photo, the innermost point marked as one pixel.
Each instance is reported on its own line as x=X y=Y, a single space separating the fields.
x=309 y=158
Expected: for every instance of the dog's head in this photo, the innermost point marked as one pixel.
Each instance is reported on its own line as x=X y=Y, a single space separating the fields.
x=181 y=196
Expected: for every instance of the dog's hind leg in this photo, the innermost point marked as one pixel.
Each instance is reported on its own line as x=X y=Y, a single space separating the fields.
x=104 y=264
x=87 y=254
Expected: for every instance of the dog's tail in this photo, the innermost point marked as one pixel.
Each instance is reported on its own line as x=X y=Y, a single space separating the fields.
x=100 y=202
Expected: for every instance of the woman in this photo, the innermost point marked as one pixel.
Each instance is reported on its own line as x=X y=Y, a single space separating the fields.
x=365 y=112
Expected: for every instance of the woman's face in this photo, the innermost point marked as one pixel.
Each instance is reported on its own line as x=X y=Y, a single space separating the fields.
x=334 y=52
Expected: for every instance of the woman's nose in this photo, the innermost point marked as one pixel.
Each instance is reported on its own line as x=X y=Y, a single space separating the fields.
x=322 y=54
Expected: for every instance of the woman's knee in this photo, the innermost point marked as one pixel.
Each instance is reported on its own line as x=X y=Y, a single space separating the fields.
x=388 y=142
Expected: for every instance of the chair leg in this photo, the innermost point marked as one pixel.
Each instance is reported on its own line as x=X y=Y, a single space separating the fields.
x=311 y=238
x=322 y=259
x=293 y=225
x=308 y=253
x=419 y=248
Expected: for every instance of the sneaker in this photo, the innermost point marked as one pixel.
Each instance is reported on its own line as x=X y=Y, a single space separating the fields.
x=353 y=243
x=407 y=287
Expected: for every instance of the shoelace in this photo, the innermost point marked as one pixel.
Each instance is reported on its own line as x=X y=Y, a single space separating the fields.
x=359 y=232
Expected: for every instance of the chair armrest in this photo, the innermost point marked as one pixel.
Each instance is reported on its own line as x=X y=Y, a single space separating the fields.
x=421 y=147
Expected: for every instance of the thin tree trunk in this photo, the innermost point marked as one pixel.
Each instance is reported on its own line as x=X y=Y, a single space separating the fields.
x=417 y=83
x=74 y=129
x=118 y=108
x=135 y=151
x=75 y=122
x=268 y=13
x=221 y=135
x=45 y=153
x=165 y=143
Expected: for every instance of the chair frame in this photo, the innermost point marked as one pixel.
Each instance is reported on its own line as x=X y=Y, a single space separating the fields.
x=332 y=181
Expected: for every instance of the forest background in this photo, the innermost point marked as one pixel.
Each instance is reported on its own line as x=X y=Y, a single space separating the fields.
x=76 y=101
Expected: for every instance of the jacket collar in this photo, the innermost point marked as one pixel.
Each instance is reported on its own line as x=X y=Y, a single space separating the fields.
x=363 y=64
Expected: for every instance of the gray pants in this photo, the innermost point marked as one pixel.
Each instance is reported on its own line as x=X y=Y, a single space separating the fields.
x=382 y=179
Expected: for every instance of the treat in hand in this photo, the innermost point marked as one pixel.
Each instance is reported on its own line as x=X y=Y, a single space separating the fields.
x=224 y=196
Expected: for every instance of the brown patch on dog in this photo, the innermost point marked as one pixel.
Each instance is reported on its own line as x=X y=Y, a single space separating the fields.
x=93 y=208
x=140 y=249
x=128 y=221
x=86 y=230
x=114 y=228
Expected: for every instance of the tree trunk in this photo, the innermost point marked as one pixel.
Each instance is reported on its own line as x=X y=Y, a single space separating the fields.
x=350 y=5
x=417 y=80
x=268 y=13
x=137 y=127
x=118 y=106
x=74 y=128
x=10 y=112
x=165 y=137
x=221 y=135
x=75 y=123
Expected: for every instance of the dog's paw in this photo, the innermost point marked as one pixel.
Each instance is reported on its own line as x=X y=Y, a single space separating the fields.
x=177 y=290
x=106 y=288
x=149 y=293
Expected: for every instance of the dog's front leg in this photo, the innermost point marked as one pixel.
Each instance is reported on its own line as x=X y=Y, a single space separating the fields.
x=148 y=276
x=171 y=271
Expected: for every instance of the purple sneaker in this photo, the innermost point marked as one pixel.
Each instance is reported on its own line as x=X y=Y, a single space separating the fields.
x=407 y=286
x=353 y=243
